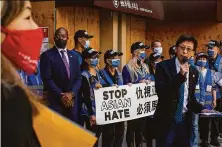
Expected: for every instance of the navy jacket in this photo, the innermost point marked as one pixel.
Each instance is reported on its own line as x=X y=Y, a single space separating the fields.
x=167 y=83
x=55 y=77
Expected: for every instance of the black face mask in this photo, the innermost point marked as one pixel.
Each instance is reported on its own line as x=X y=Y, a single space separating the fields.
x=60 y=43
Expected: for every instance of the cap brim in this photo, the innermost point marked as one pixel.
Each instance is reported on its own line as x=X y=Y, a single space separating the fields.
x=95 y=53
x=206 y=56
x=89 y=36
x=117 y=54
x=146 y=46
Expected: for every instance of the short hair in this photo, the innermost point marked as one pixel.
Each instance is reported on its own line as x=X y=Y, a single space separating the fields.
x=58 y=30
x=183 y=38
x=153 y=43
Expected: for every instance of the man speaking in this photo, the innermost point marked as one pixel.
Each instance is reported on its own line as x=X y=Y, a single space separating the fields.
x=175 y=85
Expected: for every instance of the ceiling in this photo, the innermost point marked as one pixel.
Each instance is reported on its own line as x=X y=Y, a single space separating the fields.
x=190 y=10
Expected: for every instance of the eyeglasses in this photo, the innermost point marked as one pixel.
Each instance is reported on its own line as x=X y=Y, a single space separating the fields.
x=183 y=48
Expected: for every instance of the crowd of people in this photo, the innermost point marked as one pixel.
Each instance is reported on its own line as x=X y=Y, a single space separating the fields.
x=187 y=84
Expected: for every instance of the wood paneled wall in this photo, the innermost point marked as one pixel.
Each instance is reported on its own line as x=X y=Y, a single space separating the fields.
x=76 y=18
x=168 y=32
x=135 y=31
x=43 y=15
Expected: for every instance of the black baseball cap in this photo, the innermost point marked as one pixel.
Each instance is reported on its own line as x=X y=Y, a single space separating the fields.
x=213 y=43
x=201 y=54
x=90 y=52
x=138 y=45
x=111 y=53
x=155 y=56
x=82 y=33
x=172 y=50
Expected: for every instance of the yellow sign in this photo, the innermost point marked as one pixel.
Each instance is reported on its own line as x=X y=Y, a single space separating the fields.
x=54 y=130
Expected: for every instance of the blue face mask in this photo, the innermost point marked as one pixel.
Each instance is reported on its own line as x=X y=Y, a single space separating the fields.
x=210 y=52
x=115 y=62
x=87 y=44
x=142 y=55
x=202 y=63
x=94 y=62
x=191 y=61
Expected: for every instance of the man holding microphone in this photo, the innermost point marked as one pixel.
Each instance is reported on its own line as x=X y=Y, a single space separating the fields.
x=175 y=82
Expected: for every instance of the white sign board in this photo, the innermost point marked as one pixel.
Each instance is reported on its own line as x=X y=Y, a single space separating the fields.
x=116 y=104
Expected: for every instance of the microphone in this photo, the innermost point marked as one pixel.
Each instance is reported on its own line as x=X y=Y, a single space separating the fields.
x=185 y=60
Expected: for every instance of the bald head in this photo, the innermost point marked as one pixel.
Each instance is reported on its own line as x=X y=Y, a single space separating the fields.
x=61 y=37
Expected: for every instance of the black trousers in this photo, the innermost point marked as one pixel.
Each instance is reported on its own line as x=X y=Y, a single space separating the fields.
x=149 y=132
x=204 y=126
x=135 y=132
x=219 y=108
x=113 y=134
x=95 y=129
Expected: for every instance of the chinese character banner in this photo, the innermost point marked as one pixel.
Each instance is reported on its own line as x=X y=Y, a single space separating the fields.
x=116 y=104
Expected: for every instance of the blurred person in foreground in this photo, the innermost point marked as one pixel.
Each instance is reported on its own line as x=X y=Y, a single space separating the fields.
x=20 y=47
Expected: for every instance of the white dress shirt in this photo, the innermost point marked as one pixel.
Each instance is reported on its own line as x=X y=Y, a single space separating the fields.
x=65 y=52
x=186 y=92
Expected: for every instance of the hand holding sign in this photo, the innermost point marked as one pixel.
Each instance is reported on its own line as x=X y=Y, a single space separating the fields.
x=92 y=120
x=98 y=85
x=116 y=85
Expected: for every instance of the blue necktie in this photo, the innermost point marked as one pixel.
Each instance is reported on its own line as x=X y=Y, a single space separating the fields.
x=179 y=112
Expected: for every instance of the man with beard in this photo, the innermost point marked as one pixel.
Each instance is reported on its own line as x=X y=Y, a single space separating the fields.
x=61 y=76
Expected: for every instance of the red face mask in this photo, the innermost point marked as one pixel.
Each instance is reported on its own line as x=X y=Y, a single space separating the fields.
x=22 y=48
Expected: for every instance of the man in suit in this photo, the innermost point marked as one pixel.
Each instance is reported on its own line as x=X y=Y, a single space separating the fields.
x=61 y=76
x=175 y=85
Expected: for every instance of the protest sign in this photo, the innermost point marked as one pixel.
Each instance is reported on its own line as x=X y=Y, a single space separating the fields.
x=116 y=104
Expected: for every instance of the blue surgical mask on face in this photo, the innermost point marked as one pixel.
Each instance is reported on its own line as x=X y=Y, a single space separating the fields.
x=94 y=62
x=158 y=50
x=87 y=44
x=115 y=62
x=202 y=63
x=191 y=61
x=142 y=55
x=210 y=52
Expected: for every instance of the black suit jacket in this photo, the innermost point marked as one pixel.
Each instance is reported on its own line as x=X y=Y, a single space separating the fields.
x=167 y=83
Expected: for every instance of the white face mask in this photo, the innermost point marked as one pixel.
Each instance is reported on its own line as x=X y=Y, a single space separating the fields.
x=158 y=50
x=87 y=44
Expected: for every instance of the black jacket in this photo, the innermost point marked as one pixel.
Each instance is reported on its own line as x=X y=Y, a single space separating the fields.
x=167 y=83
x=17 y=128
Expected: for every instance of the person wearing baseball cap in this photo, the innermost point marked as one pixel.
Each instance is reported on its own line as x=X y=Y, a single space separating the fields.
x=136 y=71
x=155 y=58
x=91 y=79
x=205 y=93
x=214 y=55
x=112 y=134
x=215 y=63
x=81 y=39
